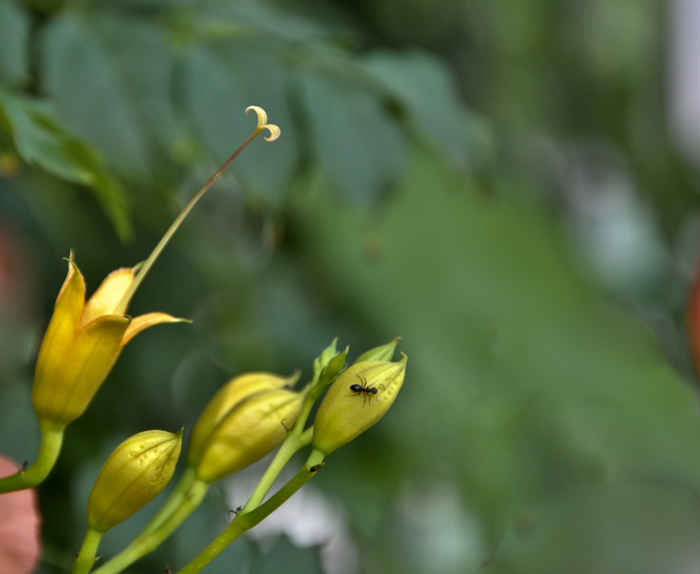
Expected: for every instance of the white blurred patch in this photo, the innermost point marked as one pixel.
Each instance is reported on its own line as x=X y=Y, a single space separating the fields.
x=613 y=230
x=434 y=530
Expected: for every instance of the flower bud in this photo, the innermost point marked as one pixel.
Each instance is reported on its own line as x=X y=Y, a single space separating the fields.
x=133 y=475
x=226 y=398
x=355 y=401
x=249 y=431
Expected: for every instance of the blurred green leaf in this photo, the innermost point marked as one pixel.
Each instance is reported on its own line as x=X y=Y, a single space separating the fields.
x=41 y=141
x=610 y=529
x=422 y=84
x=510 y=350
x=14 y=44
x=87 y=80
x=359 y=147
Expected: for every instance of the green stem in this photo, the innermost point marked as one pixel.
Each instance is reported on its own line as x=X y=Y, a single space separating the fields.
x=296 y=439
x=144 y=545
x=174 y=501
x=49 y=449
x=291 y=444
x=245 y=521
x=86 y=557
x=143 y=270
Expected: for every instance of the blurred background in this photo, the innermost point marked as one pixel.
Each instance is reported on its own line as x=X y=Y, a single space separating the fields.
x=511 y=187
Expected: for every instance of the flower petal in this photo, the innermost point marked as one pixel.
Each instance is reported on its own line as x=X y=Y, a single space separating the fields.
x=108 y=295
x=67 y=383
x=60 y=334
x=19 y=527
x=142 y=322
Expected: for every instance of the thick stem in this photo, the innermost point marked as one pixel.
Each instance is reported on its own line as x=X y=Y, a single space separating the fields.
x=86 y=557
x=49 y=449
x=142 y=546
x=245 y=521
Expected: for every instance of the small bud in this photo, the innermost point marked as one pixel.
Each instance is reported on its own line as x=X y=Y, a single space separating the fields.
x=249 y=431
x=225 y=399
x=358 y=398
x=134 y=474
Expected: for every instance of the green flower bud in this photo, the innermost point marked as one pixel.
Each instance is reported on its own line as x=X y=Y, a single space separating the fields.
x=355 y=401
x=134 y=474
x=225 y=399
x=249 y=431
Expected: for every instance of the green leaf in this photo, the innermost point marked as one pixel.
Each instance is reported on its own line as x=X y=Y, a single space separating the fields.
x=14 y=44
x=86 y=79
x=424 y=87
x=41 y=141
x=358 y=145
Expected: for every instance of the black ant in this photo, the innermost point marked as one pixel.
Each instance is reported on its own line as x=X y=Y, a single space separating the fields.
x=364 y=389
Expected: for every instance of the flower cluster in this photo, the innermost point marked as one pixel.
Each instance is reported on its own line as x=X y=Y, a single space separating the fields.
x=249 y=417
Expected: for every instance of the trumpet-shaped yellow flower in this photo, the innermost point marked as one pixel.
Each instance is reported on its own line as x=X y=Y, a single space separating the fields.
x=82 y=343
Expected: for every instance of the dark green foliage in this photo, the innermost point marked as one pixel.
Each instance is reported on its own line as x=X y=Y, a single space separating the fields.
x=421 y=187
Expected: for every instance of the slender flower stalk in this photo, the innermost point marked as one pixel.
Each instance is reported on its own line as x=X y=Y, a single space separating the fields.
x=262 y=126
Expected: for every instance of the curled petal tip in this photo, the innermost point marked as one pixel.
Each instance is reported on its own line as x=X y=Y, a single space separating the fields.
x=262 y=115
x=274 y=132
x=262 y=123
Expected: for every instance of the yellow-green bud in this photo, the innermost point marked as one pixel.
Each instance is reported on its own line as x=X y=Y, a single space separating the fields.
x=355 y=401
x=225 y=399
x=134 y=474
x=249 y=431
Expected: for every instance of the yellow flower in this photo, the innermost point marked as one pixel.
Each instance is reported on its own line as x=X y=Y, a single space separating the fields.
x=81 y=344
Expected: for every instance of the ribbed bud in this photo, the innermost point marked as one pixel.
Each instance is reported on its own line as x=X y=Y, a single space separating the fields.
x=228 y=396
x=249 y=431
x=134 y=474
x=358 y=398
